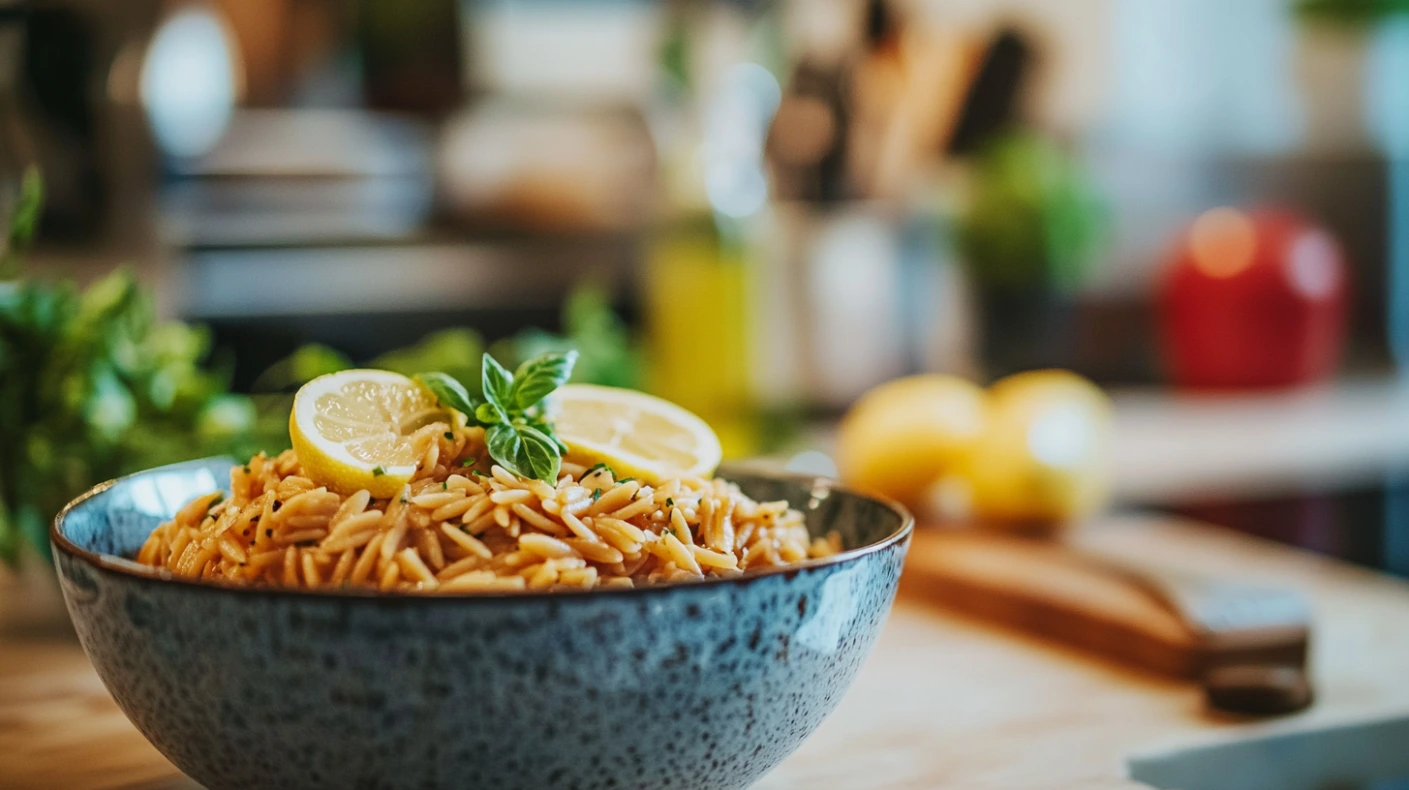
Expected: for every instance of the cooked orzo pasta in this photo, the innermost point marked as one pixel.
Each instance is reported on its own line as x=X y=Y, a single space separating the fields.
x=463 y=526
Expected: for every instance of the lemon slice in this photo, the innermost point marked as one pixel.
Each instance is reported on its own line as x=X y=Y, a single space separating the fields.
x=636 y=434
x=352 y=429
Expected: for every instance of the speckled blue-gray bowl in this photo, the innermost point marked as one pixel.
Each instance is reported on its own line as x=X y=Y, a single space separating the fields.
x=705 y=685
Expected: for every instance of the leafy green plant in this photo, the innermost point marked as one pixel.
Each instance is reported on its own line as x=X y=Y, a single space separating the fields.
x=1033 y=220
x=1351 y=12
x=455 y=351
x=516 y=430
x=92 y=386
x=606 y=354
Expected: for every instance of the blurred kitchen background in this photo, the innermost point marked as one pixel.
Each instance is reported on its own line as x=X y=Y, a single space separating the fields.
x=758 y=209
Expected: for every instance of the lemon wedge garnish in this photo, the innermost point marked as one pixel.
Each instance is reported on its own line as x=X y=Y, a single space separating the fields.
x=636 y=434
x=352 y=429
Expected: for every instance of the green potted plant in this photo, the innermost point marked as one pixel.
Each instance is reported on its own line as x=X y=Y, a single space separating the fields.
x=1028 y=236
x=93 y=386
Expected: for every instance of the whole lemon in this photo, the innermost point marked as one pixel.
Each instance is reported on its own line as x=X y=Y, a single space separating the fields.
x=903 y=435
x=1045 y=456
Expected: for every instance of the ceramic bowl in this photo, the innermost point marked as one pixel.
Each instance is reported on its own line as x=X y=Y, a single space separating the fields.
x=700 y=685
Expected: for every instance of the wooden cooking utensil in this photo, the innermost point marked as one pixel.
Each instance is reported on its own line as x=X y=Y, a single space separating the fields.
x=1246 y=644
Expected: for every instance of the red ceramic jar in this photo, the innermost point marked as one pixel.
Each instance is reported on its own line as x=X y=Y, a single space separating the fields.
x=1253 y=299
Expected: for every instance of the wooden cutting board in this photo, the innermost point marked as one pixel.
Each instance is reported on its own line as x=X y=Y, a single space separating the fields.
x=1177 y=624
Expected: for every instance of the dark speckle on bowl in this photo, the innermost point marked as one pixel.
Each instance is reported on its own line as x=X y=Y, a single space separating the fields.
x=695 y=686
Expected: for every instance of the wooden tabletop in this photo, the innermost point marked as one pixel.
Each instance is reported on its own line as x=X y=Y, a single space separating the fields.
x=942 y=702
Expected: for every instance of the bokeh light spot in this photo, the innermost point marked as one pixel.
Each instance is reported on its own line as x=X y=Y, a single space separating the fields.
x=1222 y=242
x=188 y=82
x=1311 y=267
x=1061 y=434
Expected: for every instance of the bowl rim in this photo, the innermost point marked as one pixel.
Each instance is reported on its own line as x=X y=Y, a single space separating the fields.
x=112 y=563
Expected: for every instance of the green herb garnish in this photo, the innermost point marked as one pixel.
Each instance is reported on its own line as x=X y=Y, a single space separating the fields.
x=449 y=436
x=596 y=494
x=444 y=486
x=625 y=480
x=468 y=462
x=520 y=439
x=669 y=502
x=377 y=471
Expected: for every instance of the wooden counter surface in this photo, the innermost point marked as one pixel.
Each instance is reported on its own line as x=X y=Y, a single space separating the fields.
x=942 y=702
x=1170 y=447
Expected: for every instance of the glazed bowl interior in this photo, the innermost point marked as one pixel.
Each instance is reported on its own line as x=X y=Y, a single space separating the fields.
x=116 y=518
x=694 y=686
x=109 y=524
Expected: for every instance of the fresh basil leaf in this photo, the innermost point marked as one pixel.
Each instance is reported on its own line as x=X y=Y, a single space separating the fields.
x=541 y=375
x=498 y=384
x=449 y=392
x=489 y=414
x=542 y=453
x=506 y=446
x=518 y=438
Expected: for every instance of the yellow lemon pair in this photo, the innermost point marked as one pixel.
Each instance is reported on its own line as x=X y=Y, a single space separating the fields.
x=1032 y=448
